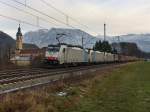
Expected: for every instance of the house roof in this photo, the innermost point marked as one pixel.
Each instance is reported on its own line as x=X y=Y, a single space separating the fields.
x=31 y=51
x=29 y=46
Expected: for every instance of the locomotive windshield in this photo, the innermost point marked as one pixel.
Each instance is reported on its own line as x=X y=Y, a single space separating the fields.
x=54 y=49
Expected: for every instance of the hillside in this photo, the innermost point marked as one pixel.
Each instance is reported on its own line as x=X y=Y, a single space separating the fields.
x=7 y=46
x=43 y=37
x=142 y=40
x=130 y=49
x=6 y=39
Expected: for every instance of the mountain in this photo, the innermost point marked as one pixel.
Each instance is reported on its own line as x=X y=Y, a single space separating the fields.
x=130 y=49
x=7 y=43
x=44 y=37
x=142 y=40
x=6 y=40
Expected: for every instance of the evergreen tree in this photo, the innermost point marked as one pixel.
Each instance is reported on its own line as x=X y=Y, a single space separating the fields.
x=102 y=46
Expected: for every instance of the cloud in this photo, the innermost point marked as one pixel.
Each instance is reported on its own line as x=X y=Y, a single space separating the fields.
x=122 y=17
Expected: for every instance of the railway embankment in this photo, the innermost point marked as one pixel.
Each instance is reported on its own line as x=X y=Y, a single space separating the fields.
x=119 y=89
x=21 y=79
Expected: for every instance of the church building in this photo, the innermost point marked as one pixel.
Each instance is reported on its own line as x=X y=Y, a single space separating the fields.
x=19 y=42
x=25 y=53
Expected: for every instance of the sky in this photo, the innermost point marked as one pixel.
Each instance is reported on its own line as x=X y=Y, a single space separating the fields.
x=121 y=16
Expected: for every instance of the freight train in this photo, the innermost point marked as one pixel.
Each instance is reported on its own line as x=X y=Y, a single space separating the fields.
x=74 y=55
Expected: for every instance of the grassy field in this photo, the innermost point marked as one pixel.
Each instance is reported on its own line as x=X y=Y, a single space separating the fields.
x=126 y=89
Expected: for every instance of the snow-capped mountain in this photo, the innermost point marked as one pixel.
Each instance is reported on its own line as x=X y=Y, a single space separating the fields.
x=45 y=37
x=142 y=40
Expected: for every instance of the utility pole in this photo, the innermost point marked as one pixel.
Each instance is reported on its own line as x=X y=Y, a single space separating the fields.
x=82 y=42
x=119 y=46
x=104 y=39
x=104 y=32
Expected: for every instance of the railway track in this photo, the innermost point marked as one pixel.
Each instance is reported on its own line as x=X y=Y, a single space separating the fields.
x=15 y=80
x=26 y=72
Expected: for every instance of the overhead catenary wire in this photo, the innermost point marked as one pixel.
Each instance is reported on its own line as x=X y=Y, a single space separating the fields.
x=21 y=21
x=38 y=17
x=66 y=15
x=33 y=15
x=24 y=22
x=44 y=14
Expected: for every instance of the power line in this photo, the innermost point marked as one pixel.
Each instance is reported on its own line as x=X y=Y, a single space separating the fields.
x=24 y=22
x=66 y=15
x=20 y=21
x=42 y=13
x=36 y=17
x=48 y=4
x=17 y=8
x=21 y=10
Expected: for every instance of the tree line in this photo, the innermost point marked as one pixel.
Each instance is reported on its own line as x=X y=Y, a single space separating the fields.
x=104 y=46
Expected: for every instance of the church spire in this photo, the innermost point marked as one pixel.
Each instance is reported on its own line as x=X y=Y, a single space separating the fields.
x=19 y=42
x=19 y=31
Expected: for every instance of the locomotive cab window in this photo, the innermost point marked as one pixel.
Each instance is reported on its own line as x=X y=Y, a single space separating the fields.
x=54 y=49
x=64 y=50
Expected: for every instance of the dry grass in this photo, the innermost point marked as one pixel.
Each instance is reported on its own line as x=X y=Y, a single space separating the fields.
x=46 y=98
x=114 y=91
x=40 y=100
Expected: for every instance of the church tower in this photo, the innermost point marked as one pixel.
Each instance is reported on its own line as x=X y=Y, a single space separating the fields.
x=19 y=41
